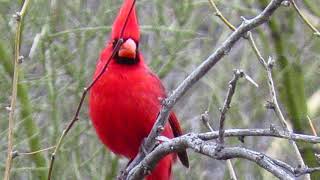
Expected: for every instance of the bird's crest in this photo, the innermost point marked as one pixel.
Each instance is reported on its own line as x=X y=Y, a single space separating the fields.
x=126 y=24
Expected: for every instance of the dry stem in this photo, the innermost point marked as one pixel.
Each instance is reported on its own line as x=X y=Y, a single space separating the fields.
x=17 y=60
x=304 y=18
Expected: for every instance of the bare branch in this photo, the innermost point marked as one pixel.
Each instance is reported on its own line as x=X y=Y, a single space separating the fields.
x=226 y=105
x=272 y=132
x=199 y=143
x=205 y=120
x=220 y=16
x=303 y=17
x=17 y=153
x=209 y=149
x=278 y=112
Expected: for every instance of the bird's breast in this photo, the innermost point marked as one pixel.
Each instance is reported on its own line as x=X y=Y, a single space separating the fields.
x=124 y=104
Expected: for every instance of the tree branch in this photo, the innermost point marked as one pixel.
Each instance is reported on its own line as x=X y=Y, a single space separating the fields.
x=199 y=143
x=303 y=17
x=226 y=105
x=272 y=132
x=192 y=141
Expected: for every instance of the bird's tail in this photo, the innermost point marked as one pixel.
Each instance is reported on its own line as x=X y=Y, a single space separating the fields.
x=162 y=171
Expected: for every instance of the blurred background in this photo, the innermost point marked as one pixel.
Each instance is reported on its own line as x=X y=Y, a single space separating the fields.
x=61 y=41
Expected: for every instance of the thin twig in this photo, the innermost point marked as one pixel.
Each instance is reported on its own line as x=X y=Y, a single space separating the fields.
x=256 y=51
x=303 y=17
x=209 y=149
x=232 y=172
x=314 y=132
x=205 y=120
x=200 y=144
x=313 y=129
x=271 y=132
x=17 y=60
x=219 y=14
x=279 y=113
x=17 y=153
x=226 y=105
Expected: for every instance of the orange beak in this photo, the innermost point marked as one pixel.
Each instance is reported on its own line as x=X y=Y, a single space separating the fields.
x=128 y=49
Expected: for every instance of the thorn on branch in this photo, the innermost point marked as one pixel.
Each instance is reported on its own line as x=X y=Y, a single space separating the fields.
x=15 y=154
x=245 y=21
x=8 y=108
x=247 y=35
x=17 y=16
x=272 y=128
x=241 y=139
x=165 y=102
x=239 y=73
x=205 y=117
x=269 y=105
x=205 y=120
x=286 y=3
x=218 y=14
x=248 y=78
x=260 y=157
x=160 y=128
x=271 y=62
x=20 y=59
x=226 y=51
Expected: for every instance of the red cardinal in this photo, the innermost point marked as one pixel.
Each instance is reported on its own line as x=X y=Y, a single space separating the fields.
x=125 y=101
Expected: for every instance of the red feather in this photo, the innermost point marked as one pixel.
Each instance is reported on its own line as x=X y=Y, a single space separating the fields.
x=125 y=101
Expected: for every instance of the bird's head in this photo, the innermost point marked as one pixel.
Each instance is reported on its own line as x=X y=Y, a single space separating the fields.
x=126 y=27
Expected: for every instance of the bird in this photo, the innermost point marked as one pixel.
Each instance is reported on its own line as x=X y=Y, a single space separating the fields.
x=126 y=99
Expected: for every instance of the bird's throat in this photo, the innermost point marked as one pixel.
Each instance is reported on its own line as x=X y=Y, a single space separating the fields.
x=126 y=61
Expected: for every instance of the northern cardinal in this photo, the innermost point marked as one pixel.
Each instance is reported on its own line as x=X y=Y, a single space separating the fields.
x=125 y=101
